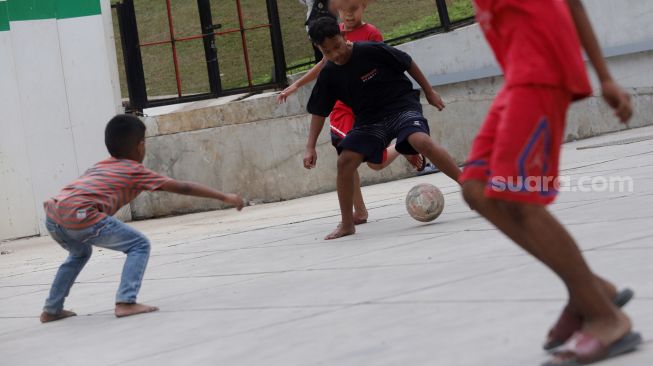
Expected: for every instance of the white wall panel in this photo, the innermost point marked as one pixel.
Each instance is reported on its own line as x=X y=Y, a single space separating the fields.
x=17 y=208
x=44 y=106
x=89 y=88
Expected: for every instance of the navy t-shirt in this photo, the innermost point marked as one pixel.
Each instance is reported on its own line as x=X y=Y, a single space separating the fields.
x=373 y=83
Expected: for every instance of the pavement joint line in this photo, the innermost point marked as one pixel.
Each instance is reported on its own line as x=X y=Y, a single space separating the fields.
x=609 y=245
x=220 y=275
x=611 y=170
x=246 y=231
x=284 y=224
x=607 y=161
x=24 y=294
x=301 y=318
x=298 y=270
x=327 y=269
x=253 y=329
x=592 y=202
x=257 y=276
x=608 y=221
x=338 y=305
x=203 y=256
x=382 y=249
x=628 y=249
x=158 y=299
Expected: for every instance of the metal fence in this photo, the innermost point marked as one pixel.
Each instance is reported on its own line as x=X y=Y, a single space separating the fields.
x=207 y=31
x=170 y=45
x=444 y=23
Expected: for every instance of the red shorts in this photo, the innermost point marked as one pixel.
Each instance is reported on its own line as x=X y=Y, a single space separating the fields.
x=341 y=119
x=517 y=149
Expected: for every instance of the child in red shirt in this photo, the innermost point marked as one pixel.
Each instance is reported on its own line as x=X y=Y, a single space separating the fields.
x=512 y=170
x=342 y=117
x=81 y=216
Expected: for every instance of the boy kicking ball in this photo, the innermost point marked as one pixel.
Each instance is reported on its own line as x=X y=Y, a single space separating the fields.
x=80 y=216
x=370 y=78
x=537 y=44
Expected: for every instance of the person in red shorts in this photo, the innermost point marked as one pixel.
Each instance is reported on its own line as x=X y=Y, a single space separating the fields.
x=512 y=170
x=342 y=117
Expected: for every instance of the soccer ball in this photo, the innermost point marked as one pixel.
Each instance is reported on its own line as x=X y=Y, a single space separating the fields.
x=424 y=202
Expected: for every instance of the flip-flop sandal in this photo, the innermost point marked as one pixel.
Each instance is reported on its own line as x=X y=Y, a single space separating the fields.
x=568 y=322
x=421 y=165
x=583 y=349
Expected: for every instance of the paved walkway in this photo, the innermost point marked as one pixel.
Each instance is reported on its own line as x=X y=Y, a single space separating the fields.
x=261 y=287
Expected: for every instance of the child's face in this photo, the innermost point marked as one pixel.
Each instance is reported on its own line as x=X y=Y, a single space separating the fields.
x=336 y=49
x=351 y=13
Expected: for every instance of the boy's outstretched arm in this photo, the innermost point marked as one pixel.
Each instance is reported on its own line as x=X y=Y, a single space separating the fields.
x=200 y=190
x=431 y=96
x=616 y=97
x=310 y=156
x=311 y=75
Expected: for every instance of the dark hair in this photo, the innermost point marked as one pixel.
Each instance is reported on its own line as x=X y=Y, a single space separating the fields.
x=123 y=133
x=323 y=28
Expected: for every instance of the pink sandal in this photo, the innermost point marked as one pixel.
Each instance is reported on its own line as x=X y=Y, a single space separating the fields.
x=583 y=349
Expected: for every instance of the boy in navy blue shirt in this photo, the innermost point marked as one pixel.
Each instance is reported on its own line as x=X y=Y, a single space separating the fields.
x=370 y=78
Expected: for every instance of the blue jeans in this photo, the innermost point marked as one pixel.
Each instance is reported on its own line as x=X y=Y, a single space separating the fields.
x=109 y=233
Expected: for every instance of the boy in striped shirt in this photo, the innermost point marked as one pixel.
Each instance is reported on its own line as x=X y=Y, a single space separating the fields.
x=80 y=216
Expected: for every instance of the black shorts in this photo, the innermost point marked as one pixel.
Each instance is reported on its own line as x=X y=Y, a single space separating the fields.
x=371 y=139
x=336 y=140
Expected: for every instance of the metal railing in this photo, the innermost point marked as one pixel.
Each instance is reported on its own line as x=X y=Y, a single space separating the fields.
x=133 y=60
x=134 y=71
x=445 y=25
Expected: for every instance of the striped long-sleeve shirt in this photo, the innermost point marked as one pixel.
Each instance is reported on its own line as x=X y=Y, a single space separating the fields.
x=101 y=192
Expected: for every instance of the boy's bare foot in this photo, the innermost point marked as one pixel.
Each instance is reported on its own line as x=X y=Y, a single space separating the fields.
x=360 y=217
x=47 y=317
x=123 y=309
x=340 y=231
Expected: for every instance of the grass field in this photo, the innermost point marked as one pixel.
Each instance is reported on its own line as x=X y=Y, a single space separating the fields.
x=393 y=17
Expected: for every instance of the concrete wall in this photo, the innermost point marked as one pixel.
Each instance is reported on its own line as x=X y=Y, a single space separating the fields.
x=255 y=147
x=17 y=209
x=59 y=87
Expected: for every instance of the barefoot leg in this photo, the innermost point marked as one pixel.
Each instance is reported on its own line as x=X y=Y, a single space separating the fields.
x=391 y=155
x=534 y=229
x=360 y=211
x=348 y=163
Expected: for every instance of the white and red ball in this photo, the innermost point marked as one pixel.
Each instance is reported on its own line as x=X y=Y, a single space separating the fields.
x=424 y=202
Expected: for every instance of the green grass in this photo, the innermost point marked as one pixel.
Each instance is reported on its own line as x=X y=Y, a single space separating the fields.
x=393 y=17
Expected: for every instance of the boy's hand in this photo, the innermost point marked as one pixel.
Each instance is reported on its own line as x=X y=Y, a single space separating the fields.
x=310 y=158
x=434 y=99
x=281 y=98
x=618 y=99
x=234 y=200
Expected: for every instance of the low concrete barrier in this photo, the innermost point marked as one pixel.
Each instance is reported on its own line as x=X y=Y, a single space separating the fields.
x=255 y=146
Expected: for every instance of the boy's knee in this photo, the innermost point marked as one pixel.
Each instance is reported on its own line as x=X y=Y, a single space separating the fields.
x=140 y=243
x=348 y=161
x=420 y=141
x=84 y=252
x=144 y=243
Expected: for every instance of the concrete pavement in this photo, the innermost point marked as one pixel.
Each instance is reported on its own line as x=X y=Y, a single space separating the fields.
x=261 y=287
